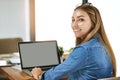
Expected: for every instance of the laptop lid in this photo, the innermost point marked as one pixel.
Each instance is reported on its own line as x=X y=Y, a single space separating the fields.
x=43 y=54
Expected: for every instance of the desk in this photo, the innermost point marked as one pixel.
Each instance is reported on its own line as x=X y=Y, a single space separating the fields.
x=15 y=74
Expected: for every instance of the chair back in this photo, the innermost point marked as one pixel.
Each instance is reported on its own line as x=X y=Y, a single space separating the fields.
x=9 y=45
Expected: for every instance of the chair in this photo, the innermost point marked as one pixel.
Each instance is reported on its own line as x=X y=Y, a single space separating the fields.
x=9 y=45
x=112 y=78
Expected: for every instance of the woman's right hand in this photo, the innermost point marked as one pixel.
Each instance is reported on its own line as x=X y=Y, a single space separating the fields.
x=36 y=72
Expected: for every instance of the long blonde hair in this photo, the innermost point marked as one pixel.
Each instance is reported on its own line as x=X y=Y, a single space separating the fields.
x=98 y=29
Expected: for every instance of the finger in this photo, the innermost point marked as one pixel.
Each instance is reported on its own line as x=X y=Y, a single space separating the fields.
x=36 y=77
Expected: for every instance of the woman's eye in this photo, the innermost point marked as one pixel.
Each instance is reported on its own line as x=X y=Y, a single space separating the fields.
x=81 y=19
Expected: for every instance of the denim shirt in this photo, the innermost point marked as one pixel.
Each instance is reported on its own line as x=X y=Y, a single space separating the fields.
x=88 y=61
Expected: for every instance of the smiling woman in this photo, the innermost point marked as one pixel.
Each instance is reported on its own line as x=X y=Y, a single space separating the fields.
x=53 y=21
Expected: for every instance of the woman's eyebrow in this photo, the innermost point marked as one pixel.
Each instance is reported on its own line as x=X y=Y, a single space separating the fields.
x=80 y=16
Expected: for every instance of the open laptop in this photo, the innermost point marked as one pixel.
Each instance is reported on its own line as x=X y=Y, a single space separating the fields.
x=43 y=54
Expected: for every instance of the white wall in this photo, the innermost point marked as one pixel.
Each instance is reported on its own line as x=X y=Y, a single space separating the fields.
x=53 y=19
x=14 y=19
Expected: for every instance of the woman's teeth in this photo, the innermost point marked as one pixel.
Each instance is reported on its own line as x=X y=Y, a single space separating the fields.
x=77 y=30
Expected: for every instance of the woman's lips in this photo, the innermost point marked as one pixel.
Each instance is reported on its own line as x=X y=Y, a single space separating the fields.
x=76 y=30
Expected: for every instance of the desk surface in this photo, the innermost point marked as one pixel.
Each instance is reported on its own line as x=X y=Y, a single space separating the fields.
x=14 y=74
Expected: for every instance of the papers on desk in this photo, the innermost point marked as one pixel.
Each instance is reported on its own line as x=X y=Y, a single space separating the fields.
x=5 y=63
x=9 y=59
x=15 y=61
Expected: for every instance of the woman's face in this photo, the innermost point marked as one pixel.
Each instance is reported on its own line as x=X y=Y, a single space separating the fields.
x=81 y=23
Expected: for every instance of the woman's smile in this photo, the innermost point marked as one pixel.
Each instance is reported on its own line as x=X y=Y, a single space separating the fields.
x=77 y=30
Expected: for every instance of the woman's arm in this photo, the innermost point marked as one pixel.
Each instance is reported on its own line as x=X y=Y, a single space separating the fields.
x=76 y=58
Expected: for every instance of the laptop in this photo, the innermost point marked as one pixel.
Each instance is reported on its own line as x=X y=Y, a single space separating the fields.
x=43 y=54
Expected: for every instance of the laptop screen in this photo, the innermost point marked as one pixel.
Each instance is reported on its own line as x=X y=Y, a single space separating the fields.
x=40 y=53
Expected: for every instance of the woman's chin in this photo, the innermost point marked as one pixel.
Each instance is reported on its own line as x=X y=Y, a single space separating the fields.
x=77 y=36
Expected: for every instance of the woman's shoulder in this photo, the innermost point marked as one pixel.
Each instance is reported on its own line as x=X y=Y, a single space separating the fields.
x=93 y=42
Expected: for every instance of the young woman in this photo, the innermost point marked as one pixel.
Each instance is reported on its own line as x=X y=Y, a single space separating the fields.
x=92 y=58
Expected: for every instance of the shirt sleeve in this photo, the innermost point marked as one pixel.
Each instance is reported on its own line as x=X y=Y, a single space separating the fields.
x=74 y=62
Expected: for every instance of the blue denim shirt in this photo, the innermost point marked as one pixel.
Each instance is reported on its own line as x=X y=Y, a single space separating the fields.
x=88 y=61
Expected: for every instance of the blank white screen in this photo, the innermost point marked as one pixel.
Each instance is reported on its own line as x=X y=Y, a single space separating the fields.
x=39 y=54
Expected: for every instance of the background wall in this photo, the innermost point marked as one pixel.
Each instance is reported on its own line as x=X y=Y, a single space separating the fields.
x=14 y=21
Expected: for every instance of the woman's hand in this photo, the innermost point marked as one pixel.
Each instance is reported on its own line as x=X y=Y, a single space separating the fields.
x=36 y=72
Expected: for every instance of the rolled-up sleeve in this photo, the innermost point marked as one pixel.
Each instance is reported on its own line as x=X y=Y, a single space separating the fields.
x=75 y=61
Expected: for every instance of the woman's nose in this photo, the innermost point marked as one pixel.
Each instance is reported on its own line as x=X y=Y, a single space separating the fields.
x=75 y=24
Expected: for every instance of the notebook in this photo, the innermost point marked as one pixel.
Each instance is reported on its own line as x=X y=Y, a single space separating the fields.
x=43 y=54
